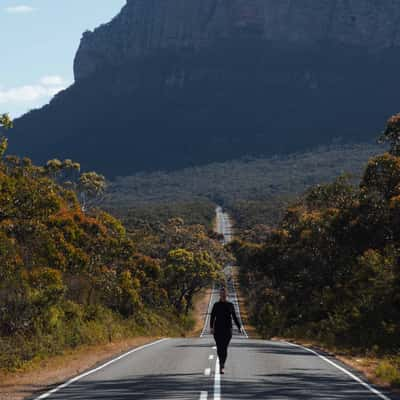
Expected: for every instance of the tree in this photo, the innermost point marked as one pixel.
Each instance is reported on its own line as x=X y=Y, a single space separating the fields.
x=91 y=187
x=186 y=273
x=392 y=134
x=65 y=172
x=331 y=269
x=5 y=123
x=382 y=175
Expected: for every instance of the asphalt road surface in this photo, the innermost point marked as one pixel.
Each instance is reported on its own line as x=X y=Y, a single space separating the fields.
x=188 y=369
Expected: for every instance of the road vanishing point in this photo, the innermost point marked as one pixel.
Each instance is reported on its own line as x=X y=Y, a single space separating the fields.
x=188 y=369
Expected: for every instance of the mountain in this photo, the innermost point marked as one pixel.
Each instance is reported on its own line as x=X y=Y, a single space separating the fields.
x=174 y=83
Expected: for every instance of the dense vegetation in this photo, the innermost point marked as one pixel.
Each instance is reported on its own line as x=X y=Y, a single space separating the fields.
x=331 y=270
x=71 y=274
x=254 y=190
x=195 y=212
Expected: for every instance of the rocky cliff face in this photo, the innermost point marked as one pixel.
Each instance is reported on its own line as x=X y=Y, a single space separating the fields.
x=147 y=26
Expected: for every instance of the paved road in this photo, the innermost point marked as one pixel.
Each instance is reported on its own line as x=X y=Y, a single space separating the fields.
x=187 y=369
x=224 y=225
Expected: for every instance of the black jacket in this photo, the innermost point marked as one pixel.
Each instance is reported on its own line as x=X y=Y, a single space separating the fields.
x=221 y=317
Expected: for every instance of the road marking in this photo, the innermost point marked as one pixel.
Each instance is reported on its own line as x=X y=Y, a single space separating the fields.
x=77 y=378
x=207 y=371
x=226 y=230
x=208 y=313
x=235 y=302
x=217 y=382
x=211 y=357
x=351 y=375
x=203 y=395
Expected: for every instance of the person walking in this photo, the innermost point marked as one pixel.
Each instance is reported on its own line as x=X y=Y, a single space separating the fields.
x=221 y=326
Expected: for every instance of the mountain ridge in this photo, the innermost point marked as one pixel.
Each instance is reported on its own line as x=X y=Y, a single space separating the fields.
x=234 y=94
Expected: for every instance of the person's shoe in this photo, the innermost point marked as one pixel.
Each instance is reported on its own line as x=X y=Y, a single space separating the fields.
x=222 y=371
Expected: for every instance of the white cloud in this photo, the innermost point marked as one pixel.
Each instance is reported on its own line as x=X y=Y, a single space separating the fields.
x=52 y=80
x=21 y=9
x=47 y=87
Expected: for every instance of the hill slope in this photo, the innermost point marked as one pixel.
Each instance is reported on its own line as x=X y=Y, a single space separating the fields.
x=172 y=83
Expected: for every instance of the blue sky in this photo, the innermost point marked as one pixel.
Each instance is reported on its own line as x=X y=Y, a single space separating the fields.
x=39 y=40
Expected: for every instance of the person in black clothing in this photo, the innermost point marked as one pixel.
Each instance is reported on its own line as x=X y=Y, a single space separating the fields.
x=221 y=326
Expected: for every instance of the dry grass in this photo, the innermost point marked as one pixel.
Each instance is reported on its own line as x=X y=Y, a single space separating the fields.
x=55 y=370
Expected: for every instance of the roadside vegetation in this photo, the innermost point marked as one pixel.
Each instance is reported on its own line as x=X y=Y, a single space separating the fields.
x=330 y=270
x=72 y=274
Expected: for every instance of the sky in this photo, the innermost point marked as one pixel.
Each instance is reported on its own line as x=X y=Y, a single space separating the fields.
x=39 y=39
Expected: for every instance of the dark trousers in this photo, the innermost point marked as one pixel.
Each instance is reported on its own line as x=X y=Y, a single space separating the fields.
x=222 y=340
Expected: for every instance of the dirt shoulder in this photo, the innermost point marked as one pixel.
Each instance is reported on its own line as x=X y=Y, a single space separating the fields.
x=200 y=312
x=58 y=369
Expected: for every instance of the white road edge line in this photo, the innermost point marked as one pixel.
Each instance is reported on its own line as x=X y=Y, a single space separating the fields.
x=203 y=395
x=236 y=302
x=217 y=382
x=207 y=372
x=208 y=312
x=351 y=375
x=77 y=378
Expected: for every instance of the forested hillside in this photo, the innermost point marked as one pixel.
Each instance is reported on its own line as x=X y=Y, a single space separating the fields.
x=71 y=274
x=255 y=190
x=330 y=271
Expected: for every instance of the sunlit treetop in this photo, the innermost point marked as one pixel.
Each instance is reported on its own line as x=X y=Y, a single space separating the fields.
x=5 y=121
x=392 y=134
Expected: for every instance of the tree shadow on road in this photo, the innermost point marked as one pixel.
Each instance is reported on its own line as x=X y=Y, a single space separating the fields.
x=145 y=387
x=297 y=384
x=258 y=346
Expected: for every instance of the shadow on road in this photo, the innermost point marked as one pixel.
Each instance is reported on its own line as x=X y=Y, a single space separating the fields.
x=296 y=385
x=260 y=347
x=146 y=387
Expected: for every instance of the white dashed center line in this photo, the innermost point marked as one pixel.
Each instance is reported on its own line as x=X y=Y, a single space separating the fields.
x=217 y=382
x=203 y=395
